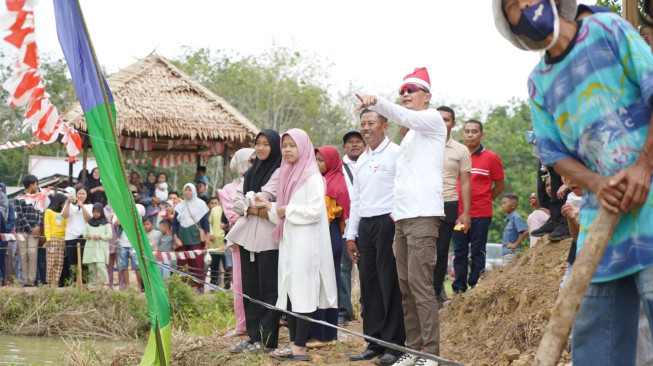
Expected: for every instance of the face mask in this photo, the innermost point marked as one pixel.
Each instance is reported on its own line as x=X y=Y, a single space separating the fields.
x=538 y=21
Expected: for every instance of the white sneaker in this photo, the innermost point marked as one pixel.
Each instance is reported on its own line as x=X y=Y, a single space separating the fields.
x=420 y=361
x=405 y=360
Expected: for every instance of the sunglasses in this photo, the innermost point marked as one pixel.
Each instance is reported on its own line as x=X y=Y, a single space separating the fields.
x=252 y=160
x=410 y=88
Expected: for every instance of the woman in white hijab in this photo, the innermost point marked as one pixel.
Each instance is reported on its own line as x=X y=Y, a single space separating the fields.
x=190 y=226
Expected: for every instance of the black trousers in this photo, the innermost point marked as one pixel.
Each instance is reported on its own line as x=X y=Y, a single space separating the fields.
x=556 y=203
x=260 y=282
x=383 y=316
x=298 y=328
x=444 y=241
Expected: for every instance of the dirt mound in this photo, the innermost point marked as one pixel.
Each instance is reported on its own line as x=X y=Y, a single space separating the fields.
x=503 y=318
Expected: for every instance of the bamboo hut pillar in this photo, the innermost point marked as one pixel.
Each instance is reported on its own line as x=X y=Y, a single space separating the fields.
x=84 y=159
x=70 y=173
x=225 y=163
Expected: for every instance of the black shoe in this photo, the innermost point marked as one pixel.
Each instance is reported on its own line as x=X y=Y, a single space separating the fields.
x=368 y=354
x=547 y=228
x=386 y=359
x=561 y=232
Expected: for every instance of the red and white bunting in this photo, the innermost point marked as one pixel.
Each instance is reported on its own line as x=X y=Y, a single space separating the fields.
x=12 y=237
x=136 y=161
x=37 y=199
x=168 y=256
x=25 y=86
x=136 y=143
x=13 y=144
x=173 y=161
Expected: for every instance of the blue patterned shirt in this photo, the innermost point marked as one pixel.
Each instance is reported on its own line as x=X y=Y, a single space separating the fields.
x=593 y=104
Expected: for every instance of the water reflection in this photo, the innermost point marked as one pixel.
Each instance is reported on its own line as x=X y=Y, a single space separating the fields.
x=43 y=350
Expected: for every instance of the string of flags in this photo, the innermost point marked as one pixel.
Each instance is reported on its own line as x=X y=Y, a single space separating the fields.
x=25 y=85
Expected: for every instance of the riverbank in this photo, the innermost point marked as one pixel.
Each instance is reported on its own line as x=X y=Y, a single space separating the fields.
x=107 y=314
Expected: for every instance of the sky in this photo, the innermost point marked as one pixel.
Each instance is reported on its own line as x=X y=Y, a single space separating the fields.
x=369 y=44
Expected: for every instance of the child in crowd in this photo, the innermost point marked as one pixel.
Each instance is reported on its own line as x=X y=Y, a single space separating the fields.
x=570 y=211
x=165 y=244
x=540 y=215
x=216 y=238
x=161 y=189
x=55 y=230
x=96 y=251
x=126 y=252
x=515 y=230
x=153 y=235
x=201 y=191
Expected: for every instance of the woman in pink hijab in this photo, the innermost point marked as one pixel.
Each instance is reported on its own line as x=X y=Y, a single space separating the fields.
x=306 y=272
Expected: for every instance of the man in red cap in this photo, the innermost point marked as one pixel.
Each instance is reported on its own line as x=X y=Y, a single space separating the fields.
x=418 y=208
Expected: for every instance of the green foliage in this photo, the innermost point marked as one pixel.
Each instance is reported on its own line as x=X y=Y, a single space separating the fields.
x=504 y=134
x=614 y=5
x=200 y=315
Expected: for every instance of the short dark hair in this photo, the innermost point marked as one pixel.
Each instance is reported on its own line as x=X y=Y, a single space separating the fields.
x=29 y=180
x=479 y=123
x=213 y=198
x=173 y=192
x=165 y=222
x=148 y=218
x=512 y=197
x=367 y=110
x=201 y=169
x=445 y=108
x=200 y=182
x=160 y=174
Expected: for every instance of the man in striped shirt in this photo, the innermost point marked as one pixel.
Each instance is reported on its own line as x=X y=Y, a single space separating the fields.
x=487 y=184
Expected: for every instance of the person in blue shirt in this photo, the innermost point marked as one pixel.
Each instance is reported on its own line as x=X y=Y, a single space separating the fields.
x=591 y=97
x=515 y=230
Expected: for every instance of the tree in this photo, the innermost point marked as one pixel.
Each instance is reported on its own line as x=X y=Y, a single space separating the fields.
x=278 y=89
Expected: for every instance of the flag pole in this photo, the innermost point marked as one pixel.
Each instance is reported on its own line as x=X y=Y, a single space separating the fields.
x=121 y=160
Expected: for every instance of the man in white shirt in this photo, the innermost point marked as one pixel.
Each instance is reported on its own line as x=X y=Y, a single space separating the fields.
x=369 y=219
x=418 y=209
x=354 y=146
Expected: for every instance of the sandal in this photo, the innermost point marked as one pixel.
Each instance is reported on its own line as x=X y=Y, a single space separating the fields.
x=285 y=354
x=256 y=348
x=240 y=347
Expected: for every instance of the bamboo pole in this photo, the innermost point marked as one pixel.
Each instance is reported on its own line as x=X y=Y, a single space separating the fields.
x=564 y=311
x=79 y=268
x=121 y=160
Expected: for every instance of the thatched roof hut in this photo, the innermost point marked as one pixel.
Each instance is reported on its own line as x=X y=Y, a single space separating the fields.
x=157 y=101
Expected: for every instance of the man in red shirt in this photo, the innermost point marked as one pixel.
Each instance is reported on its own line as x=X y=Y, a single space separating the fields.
x=487 y=184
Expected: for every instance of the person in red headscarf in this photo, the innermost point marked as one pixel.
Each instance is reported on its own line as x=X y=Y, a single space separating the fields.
x=307 y=279
x=337 y=207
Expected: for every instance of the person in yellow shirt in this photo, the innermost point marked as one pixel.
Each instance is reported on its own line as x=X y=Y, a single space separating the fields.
x=337 y=206
x=55 y=231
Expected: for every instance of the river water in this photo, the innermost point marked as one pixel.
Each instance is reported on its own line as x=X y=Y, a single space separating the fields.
x=44 y=350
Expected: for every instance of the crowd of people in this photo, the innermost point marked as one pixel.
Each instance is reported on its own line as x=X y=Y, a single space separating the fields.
x=288 y=230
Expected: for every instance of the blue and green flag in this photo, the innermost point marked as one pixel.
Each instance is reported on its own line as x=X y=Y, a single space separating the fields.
x=87 y=80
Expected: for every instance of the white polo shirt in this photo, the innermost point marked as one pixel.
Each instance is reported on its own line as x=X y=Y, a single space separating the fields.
x=418 y=182
x=374 y=178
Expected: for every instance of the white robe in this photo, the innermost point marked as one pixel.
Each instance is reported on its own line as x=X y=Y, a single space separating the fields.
x=306 y=272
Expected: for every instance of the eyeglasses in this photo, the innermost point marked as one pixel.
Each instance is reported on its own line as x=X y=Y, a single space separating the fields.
x=252 y=160
x=410 y=88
